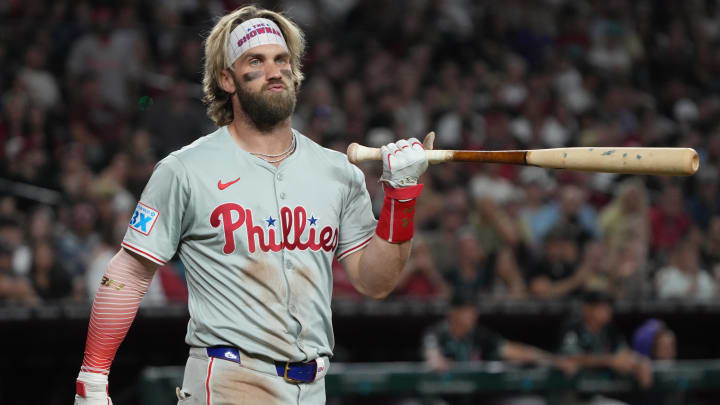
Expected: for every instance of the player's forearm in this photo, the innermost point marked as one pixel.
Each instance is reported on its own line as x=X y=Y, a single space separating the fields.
x=381 y=263
x=558 y=288
x=381 y=266
x=562 y=288
x=520 y=353
x=592 y=360
x=376 y=270
x=117 y=300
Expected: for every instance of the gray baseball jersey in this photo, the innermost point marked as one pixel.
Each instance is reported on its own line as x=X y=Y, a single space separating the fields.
x=257 y=241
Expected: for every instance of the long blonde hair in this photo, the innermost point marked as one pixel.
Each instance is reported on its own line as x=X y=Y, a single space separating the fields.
x=621 y=226
x=219 y=104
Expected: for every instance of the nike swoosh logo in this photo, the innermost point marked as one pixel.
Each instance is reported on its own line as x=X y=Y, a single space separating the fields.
x=223 y=186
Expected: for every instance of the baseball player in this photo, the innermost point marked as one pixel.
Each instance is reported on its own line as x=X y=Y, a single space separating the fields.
x=256 y=211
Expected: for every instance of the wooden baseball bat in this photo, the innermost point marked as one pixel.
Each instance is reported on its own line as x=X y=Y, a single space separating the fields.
x=655 y=161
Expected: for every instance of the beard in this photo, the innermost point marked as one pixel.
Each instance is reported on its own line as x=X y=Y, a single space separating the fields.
x=266 y=110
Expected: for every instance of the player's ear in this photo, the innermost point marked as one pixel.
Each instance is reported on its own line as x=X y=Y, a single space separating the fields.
x=226 y=81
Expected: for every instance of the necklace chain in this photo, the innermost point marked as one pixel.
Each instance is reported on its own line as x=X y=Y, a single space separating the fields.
x=280 y=156
x=287 y=151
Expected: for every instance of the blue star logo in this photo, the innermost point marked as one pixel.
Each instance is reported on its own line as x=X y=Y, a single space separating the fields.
x=312 y=220
x=270 y=221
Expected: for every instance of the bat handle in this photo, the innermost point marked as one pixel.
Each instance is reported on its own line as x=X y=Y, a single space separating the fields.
x=357 y=153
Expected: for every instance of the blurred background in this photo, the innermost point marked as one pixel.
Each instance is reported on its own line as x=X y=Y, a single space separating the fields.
x=93 y=94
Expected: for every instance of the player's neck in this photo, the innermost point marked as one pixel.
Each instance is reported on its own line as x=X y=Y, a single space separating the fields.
x=249 y=138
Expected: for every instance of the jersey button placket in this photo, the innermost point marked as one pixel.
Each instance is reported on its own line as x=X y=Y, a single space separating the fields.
x=278 y=178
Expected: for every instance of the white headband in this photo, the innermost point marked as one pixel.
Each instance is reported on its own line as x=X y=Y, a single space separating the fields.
x=252 y=33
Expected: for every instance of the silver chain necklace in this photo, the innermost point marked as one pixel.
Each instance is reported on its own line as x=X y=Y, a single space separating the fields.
x=288 y=150
x=281 y=156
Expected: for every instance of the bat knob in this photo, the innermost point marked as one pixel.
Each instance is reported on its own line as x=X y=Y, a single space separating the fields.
x=357 y=153
x=352 y=151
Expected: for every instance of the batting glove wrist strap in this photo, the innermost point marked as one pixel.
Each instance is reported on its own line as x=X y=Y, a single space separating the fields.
x=396 y=223
x=91 y=385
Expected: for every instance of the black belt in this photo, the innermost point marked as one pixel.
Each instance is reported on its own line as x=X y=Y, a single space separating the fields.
x=291 y=372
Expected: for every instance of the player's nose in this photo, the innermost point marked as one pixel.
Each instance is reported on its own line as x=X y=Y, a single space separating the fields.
x=272 y=71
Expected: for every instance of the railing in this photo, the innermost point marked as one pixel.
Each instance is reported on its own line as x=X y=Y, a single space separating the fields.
x=414 y=379
x=386 y=308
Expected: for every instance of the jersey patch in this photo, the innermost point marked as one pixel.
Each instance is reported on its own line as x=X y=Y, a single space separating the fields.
x=144 y=218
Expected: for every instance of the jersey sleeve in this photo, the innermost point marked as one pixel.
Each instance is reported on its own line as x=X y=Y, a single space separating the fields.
x=357 y=222
x=156 y=225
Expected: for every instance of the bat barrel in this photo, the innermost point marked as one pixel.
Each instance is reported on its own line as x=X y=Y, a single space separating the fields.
x=653 y=161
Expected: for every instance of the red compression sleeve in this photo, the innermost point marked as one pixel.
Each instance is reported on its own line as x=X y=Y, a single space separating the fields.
x=398 y=212
x=123 y=286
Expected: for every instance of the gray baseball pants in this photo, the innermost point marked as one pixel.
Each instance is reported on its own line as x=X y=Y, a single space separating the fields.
x=215 y=381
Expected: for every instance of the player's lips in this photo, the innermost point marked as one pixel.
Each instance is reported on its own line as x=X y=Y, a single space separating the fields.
x=276 y=87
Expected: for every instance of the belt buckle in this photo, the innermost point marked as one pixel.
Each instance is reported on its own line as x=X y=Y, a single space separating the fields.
x=287 y=377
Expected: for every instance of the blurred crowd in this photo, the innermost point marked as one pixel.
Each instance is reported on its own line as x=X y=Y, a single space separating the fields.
x=588 y=340
x=93 y=94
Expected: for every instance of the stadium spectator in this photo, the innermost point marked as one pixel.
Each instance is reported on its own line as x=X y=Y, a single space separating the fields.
x=624 y=270
x=13 y=122
x=705 y=202
x=318 y=115
x=655 y=340
x=537 y=186
x=668 y=220
x=50 y=281
x=592 y=341
x=41 y=85
x=610 y=51
x=482 y=273
x=79 y=239
x=683 y=278
x=40 y=224
x=495 y=201
x=109 y=184
x=175 y=119
x=143 y=157
x=12 y=235
x=625 y=218
x=110 y=55
x=421 y=277
x=453 y=217
x=570 y=209
x=462 y=126
x=459 y=338
x=561 y=271
x=14 y=289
